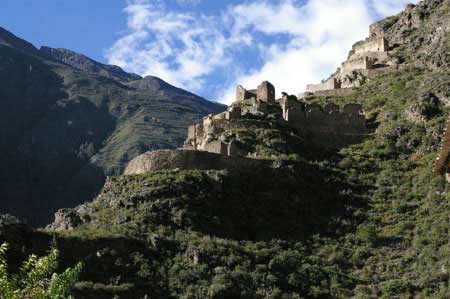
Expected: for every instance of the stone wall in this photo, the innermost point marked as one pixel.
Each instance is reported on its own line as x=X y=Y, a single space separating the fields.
x=203 y=136
x=233 y=112
x=242 y=94
x=216 y=147
x=334 y=92
x=264 y=93
x=188 y=160
x=314 y=117
x=358 y=63
x=371 y=45
x=329 y=126
x=376 y=31
x=200 y=135
x=378 y=57
x=371 y=74
x=332 y=83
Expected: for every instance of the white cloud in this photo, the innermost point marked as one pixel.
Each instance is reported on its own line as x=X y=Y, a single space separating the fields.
x=186 y=48
x=322 y=32
x=182 y=48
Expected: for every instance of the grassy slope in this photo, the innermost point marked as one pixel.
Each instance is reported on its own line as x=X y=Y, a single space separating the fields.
x=389 y=236
x=381 y=221
x=403 y=238
x=383 y=217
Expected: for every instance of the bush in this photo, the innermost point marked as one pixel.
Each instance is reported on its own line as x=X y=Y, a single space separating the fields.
x=367 y=234
x=37 y=278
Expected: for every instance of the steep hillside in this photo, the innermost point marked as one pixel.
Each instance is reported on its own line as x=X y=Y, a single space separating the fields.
x=65 y=127
x=367 y=222
x=420 y=34
x=371 y=222
x=9 y=39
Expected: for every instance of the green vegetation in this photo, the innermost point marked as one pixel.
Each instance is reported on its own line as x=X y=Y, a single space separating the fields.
x=37 y=278
x=367 y=222
x=370 y=221
x=404 y=231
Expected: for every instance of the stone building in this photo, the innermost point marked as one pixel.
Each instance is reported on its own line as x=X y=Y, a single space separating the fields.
x=376 y=31
x=372 y=44
x=264 y=93
x=365 y=56
x=357 y=63
x=328 y=126
x=201 y=136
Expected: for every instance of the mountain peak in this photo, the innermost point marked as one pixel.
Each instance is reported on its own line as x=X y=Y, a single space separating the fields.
x=10 y=40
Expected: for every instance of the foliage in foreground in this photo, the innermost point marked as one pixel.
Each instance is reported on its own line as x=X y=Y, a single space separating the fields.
x=37 y=278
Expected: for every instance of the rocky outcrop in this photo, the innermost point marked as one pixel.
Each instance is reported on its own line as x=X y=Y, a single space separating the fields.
x=426 y=107
x=66 y=220
x=420 y=34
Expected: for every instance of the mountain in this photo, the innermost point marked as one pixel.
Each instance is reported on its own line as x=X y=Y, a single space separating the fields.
x=420 y=34
x=68 y=122
x=287 y=218
x=9 y=39
x=88 y=65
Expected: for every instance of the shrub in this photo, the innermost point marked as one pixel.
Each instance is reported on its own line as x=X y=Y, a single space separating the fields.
x=37 y=278
x=367 y=234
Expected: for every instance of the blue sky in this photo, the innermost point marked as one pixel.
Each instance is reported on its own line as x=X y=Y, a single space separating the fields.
x=205 y=46
x=86 y=26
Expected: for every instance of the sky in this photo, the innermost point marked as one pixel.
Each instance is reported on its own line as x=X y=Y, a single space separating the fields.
x=205 y=46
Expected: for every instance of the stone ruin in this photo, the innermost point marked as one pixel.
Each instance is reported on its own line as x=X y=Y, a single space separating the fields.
x=184 y=159
x=331 y=83
x=327 y=126
x=264 y=93
x=201 y=137
x=364 y=62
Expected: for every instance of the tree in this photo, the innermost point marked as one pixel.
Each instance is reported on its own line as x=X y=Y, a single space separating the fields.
x=37 y=278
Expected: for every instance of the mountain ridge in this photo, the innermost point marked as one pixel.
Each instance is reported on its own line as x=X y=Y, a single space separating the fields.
x=9 y=39
x=84 y=63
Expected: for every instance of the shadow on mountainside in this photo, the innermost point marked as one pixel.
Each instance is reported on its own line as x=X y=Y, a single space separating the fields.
x=110 y=262
x=46 y=139
x=289 y=202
